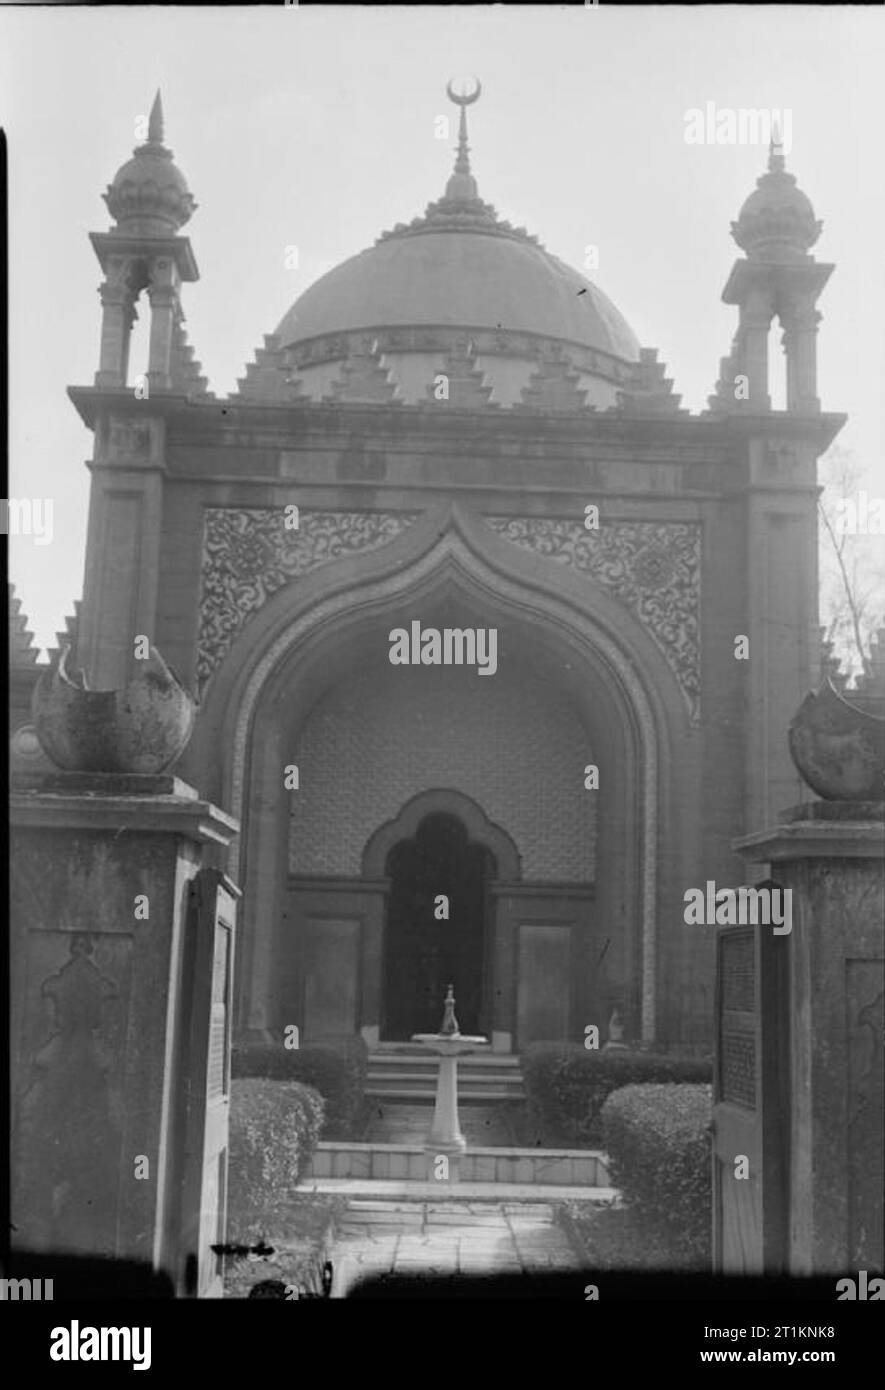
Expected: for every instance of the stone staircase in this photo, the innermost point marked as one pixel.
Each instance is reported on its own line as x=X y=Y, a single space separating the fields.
x=407 y=1071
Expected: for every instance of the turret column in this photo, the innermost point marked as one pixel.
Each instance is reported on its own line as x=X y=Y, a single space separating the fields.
x=149 y=201
x=165 y=306
x=755 y=326
x=118 y=312
x=800 y=334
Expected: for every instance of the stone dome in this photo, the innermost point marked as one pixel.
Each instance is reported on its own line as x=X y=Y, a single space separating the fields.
x=458 y=291
x=149 y=195
x=460 y=276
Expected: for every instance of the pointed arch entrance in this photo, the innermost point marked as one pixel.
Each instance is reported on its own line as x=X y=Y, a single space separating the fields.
x=441 y=857
x=580 y=637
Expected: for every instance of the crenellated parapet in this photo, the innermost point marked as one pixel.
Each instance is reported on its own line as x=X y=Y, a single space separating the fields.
x=185 y=371
x=555 y=385
x=67 y=637
x=364 y=377
x=24 y=664
x=269 y=377
x=22 y=652
x=650 y=391
x=460 y=382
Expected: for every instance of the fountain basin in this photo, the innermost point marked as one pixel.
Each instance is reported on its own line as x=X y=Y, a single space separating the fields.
x=450 y=1044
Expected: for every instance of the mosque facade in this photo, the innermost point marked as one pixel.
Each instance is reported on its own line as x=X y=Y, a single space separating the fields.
x=455 y=433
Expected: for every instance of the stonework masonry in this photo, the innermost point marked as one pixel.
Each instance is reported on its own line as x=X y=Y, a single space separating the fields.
x=466 y=507
x=516 y=747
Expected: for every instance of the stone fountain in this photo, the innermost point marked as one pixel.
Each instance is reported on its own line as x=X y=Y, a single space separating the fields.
x=445 y=1137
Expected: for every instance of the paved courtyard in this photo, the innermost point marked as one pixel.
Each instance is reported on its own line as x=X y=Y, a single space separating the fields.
x=440 y=1237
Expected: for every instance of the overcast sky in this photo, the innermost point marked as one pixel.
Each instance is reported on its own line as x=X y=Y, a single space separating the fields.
x=316 y=128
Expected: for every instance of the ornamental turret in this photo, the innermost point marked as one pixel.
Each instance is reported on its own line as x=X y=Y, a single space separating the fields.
x=150 y=202
x=779 y=279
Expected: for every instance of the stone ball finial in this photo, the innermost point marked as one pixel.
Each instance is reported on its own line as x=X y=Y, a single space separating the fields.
x=777 y=221
x=837 y=743
x=149 y=195
x=143 y=728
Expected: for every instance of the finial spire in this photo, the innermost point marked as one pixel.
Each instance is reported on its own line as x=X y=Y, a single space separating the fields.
x=155 y=121
x=462 y=184
x=776 y=162
x=449 y=1026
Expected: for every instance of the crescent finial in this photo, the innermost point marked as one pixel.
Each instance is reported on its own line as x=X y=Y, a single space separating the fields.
x=468 y=98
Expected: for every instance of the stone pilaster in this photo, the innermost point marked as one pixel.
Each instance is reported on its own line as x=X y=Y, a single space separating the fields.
x=781 y=618
x=122 y=564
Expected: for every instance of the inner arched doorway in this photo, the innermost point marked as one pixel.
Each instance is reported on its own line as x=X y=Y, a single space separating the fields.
x=438 y=914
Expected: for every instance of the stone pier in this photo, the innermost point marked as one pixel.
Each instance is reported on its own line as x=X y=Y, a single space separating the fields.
x=109 y=1010
x=830 y=854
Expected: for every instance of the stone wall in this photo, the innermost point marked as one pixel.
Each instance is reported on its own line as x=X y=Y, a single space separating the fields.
x=512 y=744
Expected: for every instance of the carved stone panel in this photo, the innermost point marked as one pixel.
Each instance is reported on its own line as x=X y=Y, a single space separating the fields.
x=865 y=1009
x=248 y=554
x=73 y=1073
x=130 y=439
x=74 y=924
x=654 y=568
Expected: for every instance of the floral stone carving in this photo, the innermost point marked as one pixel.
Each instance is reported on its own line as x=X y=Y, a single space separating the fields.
x=248 y=554
x=652 y=567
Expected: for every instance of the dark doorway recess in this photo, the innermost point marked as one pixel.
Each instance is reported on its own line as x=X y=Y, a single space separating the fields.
x=424 y=955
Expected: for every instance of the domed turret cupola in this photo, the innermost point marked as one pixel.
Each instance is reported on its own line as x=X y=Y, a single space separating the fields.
x=777 y=222
x=149 y=195
x=150 y=202
x=779 y=279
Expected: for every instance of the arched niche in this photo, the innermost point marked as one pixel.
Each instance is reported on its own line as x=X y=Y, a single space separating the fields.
x=446 y=799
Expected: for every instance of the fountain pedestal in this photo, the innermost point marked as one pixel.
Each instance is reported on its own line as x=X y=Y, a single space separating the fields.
x=445 y=1138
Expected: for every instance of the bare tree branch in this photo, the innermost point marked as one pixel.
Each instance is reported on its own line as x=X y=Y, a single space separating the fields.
x=850 y=597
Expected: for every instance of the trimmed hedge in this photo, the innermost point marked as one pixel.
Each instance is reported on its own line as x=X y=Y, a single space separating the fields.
x=567 y=1084
x=336 y=1069
x=274 y=1129
x=658 y=1145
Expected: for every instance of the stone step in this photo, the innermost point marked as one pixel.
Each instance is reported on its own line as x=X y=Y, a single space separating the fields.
x=489 y=1078
x=406 y=1072
x=403 y=1190
x=425 y=1091
x=402 y=1052
x=428 y=1078
x=389 y=1162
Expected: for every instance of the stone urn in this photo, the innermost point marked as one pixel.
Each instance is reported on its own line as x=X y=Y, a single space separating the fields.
x=615 y=1033
x=143 y=728
x=838 y=744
